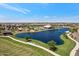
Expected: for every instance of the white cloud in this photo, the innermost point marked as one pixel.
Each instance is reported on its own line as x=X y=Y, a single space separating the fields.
x=27 y=10
x=5 y=18
x=1 y=16
x=14 y=8
x=50 y=17
x=46 y=16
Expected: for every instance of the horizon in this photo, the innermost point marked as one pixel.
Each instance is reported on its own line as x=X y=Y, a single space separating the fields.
x=39 y=22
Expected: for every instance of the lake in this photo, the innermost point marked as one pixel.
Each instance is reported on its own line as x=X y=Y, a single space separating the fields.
x=46 y=36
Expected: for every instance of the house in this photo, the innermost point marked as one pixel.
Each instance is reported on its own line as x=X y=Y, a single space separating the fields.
x=32 y=31
x=20 y=29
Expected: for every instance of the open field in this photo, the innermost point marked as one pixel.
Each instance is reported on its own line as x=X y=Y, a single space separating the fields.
x=10 y=47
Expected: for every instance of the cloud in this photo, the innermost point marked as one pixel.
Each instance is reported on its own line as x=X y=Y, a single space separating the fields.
x=27 y=10
x=50 y=17
x=14 y=8
x=1 y=16
x=5 y=18
x=46 y=16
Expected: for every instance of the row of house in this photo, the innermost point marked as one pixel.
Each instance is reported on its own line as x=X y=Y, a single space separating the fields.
x=9 y=27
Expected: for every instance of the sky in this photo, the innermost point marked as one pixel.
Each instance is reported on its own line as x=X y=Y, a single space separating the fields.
x=39 y=12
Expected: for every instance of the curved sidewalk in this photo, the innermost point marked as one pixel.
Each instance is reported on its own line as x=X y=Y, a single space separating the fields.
x=72 y=53
x=53 y=53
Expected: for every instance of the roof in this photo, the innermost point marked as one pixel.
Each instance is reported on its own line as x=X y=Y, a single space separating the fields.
x=47 y=26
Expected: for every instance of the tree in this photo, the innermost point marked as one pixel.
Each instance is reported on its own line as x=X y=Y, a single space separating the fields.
x=52 y=45
x=28 y=38
x=65 y=35
x=74 y=30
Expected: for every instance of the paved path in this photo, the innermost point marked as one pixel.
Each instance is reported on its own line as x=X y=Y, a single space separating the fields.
x=75 y=48
x=53 y=53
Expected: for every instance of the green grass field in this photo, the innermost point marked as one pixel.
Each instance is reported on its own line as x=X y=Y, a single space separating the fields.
x=66 y=48
x=10 y=47
x=33 y=41
x=63 y=49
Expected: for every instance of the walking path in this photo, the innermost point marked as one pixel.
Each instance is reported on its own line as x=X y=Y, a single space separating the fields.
x=75 y=48
x=53 y=53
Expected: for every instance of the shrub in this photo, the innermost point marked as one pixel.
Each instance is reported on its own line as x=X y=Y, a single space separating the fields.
x=28 y=38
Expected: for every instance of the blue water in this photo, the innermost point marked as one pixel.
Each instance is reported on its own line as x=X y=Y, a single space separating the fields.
x=46 y=36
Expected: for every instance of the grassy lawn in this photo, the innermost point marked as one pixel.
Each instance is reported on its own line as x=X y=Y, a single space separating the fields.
x=10 y=47
x=33 y=41
x=66 y=48
x=63 y=49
